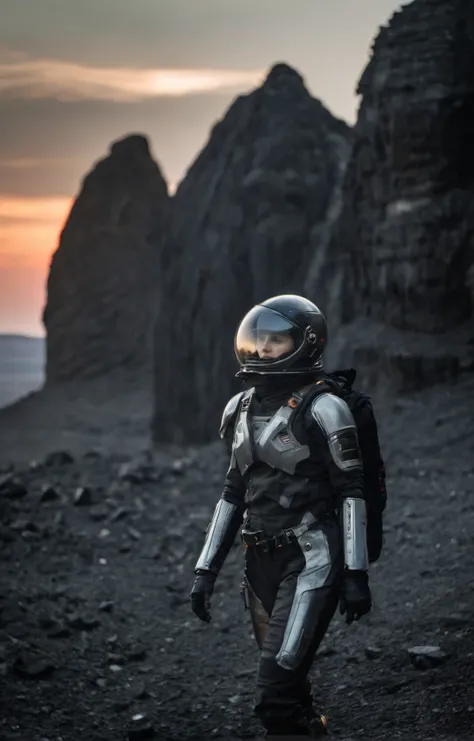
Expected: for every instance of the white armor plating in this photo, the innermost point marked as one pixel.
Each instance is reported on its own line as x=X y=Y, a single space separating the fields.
x=269 y=440
x=336 y=421
x=354 y=519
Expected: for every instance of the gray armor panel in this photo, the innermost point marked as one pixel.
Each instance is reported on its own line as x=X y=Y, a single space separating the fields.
x=267 y=439
x=277 y=446
x=224 y=513
x=306 y=603
x=242 y=447
x=354 y=518
x=336 y=421
x=258 y=424
x=229 y=412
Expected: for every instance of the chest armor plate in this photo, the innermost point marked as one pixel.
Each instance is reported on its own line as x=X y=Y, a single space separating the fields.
x=268 y=439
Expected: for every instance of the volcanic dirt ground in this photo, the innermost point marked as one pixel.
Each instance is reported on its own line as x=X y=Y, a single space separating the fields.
x=97 y=639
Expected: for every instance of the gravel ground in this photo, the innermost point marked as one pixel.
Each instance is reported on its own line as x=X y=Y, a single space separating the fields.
x=97 y=640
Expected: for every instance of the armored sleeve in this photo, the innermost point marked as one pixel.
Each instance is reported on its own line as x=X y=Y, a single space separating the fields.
x=335 y=432
x=229 y=511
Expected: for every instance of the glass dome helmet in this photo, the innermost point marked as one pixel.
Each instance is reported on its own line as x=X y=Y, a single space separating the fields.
x=284 y=335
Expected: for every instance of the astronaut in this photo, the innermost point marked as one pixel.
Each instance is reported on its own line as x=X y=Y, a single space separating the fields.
x=294 y=491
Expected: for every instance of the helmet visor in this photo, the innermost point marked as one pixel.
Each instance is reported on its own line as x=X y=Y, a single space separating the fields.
x=265 y=337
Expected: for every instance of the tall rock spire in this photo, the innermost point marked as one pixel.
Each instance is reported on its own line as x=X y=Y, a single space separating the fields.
x=103 y=276
x=244 y=218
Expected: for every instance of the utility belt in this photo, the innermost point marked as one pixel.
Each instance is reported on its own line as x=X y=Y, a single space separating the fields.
x=256 y=539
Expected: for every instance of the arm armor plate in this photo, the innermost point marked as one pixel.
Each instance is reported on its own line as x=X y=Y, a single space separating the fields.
x=229 y=413
x=354 y=529
x=337 y=423
x=220 y=536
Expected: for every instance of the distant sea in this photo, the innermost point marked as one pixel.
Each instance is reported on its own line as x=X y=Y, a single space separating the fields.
x=21 y=366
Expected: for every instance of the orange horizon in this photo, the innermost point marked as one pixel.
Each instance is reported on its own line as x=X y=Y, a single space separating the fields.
x=29 y=234
x=30 y=229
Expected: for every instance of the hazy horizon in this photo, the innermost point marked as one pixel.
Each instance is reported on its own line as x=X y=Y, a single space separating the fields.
x=22 y=370
x=166 y=69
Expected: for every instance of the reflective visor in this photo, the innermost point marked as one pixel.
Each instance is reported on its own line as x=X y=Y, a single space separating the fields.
x=265 y=337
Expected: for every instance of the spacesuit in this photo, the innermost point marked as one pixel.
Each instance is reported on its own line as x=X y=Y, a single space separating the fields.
x=294 y=491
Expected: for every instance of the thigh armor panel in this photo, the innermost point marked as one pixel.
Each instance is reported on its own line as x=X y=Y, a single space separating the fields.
x=322 y=549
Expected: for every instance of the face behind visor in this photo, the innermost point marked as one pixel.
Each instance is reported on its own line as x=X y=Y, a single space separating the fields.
x=283 y=335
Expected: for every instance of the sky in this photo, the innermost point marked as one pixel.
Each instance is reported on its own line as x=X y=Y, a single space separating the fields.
x=76 y=75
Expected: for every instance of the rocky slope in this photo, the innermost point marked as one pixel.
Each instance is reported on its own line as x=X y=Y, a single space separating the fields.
x=102 y=286
x=244 y=218
x=404 y=236
x=97 y=640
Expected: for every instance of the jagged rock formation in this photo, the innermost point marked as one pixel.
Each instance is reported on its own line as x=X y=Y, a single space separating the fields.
x=244 y=219
x=405 y=232
x=103 y=278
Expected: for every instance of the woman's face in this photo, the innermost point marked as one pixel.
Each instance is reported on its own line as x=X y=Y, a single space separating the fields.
x=272 y=345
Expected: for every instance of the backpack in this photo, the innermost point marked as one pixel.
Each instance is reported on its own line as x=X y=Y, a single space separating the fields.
x=340 y=383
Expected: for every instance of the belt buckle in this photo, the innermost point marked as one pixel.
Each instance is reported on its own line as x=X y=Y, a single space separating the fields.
x=243 y=537
x=288 y=535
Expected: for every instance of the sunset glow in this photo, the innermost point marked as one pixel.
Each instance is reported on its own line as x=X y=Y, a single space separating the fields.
x=29 y=234
x=53 y=78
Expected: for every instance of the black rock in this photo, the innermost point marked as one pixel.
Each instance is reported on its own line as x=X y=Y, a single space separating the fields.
x=58 y=458
x=11 y=487
x=373 y=652
x=98 y=512
x=82 y=497
x=83 y=622
x=106 y=606
x=426 y=657
x=119 y=514
x=142 y=728
x=59 y=631
x=136 y=653
x=33 y=666
x=49 y=494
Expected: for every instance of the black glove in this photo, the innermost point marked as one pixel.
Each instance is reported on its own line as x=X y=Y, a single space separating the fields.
x=355 y=599
x=201 y=592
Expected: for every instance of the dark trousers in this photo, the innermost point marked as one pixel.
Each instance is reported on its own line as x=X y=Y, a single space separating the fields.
x=284 y=702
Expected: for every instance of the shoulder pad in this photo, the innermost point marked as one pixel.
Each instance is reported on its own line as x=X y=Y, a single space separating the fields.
x=331 y=413
x=229 y=412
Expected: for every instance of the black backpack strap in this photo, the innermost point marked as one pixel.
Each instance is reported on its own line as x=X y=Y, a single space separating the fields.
x=302 y=398
x=345 y=377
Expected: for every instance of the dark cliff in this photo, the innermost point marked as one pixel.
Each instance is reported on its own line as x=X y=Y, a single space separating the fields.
x=244 y=221
x=103 y=277
x=406 y=228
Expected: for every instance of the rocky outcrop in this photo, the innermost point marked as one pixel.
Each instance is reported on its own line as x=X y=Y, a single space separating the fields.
x=244 y=220
x=103 y=278
x=405 y=234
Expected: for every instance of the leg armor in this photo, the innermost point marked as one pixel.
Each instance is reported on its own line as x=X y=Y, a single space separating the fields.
x=323 y=554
